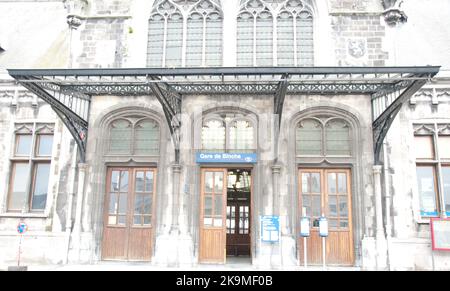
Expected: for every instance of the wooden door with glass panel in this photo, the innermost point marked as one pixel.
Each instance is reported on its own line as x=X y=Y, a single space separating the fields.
x=212 y=216
x=327 y=192
x=128 y=220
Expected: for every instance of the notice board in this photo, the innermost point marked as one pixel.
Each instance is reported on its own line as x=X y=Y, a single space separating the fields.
x=440 y=234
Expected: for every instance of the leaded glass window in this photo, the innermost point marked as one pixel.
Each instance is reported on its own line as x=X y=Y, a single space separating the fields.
x=309 y=137
x=185 y=33
x=229 y=134
x=258 y=42
x=134 y=136
x=241 y=136
x=147 y=137
x=323 y=136
x=213 y=135
x=120 y=137
x=337 y=138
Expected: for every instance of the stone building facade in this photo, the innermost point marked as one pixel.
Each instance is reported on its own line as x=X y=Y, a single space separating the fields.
x=383 y=221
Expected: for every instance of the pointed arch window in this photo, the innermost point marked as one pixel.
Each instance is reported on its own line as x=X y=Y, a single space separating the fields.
x=185 y=33
x=277 y=32
x=323 y=136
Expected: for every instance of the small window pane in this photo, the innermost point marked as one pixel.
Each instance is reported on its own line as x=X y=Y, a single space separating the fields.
x=427 y=190
x=342 y=183
x=343 y=207
x=123 y=205
x=174 y=42
x=218 y=182
x=218 y=205
x=139 y=181
x=18 y=198
x=343 y=223
x=41 y=178
x=45 y=143
x=245 y=40
x=444 y=146
x=309 y=138
x=337 y=138
x=332 y=183
x=124 y=181
x=113 y=203
x=23 y=147
x=305 y=39
x=332 y=204
x=424 y=147
x=115 y=181
x=209 y=180
x=147 y=220
x=155 y=41
x=306 y=205
x=285 y=39
x=120 y=137
x=194 y=42
x=147 y=204
x=137 y=220
x=207 y=212
x=112 y=220
x=305 y=184
x=138 y=201
x=122 y=220
x=316 y=206
x=264 y=39
x=149 y=180
x=315 y=183
x=241 y=136
x=213 y=46
x=213 y=136
x=147 y=138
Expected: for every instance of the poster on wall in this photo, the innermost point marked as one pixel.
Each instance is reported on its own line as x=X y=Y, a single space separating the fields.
x=440 y=234
x=270 y=228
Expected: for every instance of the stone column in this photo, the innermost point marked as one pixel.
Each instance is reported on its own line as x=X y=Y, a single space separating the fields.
x=276 y=255
x=176 y=171
x=380 y=237
x=76 y=233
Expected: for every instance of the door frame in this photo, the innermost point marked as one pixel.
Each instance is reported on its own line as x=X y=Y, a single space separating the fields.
x=130 y=203
x=227 y=167
x=349 y=169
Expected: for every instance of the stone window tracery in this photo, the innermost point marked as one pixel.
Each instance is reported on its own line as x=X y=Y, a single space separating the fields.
x=278 y=32
x=185 y=33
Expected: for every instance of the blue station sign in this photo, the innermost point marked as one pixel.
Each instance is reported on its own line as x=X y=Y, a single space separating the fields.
x=227 y=158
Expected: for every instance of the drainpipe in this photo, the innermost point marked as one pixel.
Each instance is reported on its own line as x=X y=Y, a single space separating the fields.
x=387 y=196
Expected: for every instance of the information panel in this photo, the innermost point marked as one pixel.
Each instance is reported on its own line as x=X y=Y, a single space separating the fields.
x=440 y=234
x=270 y=228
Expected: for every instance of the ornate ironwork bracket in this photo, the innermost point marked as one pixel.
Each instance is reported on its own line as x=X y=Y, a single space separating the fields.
x=171 y=103
x=384 y=122
x=77 y=126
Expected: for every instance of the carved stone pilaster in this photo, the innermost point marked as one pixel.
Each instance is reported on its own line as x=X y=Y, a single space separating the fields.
x=393 y=14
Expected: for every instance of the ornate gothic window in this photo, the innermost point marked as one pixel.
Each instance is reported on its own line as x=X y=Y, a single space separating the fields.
x=185 y=33
x=323 y=136
x=228 y=133
x=134 y=136
x=260 y=44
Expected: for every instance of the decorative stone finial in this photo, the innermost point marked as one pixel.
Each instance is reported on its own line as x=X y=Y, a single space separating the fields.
x=393 y=13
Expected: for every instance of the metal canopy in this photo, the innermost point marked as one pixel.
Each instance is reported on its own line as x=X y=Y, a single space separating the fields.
x=69 y=91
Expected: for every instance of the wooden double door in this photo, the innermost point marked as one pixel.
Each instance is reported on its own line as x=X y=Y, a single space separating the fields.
x=128 y=215
x=224 y=214
x=328 y=192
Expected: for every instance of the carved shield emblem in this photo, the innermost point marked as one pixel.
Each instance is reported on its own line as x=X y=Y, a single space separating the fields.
x=357 y=48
